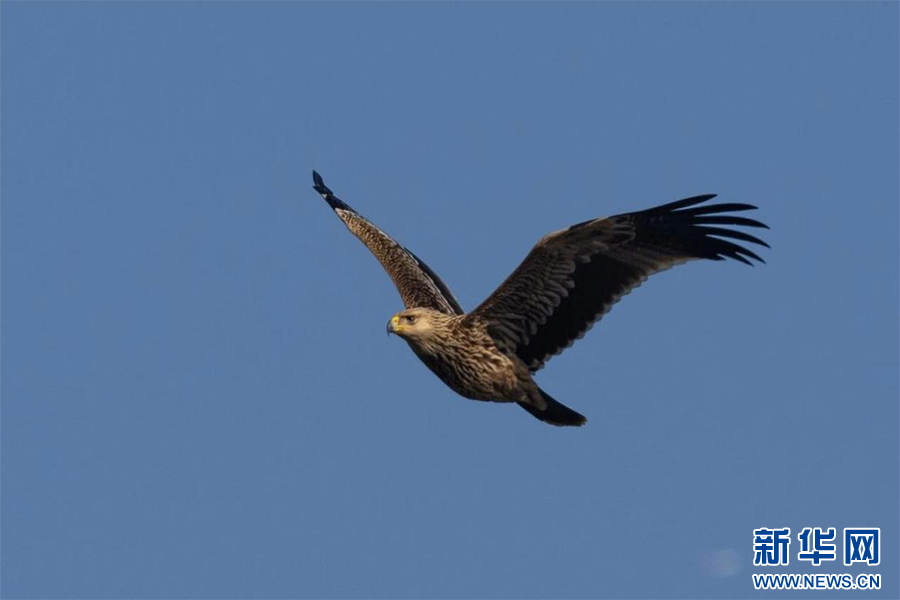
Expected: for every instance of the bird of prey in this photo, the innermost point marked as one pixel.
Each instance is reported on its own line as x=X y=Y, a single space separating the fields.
x=568 y=281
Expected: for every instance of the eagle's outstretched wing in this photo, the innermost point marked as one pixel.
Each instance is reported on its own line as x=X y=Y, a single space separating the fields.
x=418 y=285
x=572 y=277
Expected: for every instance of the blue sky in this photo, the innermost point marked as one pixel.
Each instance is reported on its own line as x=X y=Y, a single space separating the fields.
x=198 y=397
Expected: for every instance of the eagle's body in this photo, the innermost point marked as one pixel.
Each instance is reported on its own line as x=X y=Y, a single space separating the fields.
x=566 y=283
x=476 y=368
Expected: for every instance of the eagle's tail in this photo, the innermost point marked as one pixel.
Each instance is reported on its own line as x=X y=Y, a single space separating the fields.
x=555 y=413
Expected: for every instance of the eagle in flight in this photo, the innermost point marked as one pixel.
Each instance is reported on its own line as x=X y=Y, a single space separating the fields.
x=568 y=281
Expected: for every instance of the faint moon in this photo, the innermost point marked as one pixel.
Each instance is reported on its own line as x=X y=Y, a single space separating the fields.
x=721 y=563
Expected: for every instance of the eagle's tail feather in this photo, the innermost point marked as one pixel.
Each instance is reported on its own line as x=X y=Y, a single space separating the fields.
x=555 y=413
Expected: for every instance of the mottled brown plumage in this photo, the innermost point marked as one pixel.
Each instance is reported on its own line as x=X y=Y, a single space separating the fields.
x=570 y=279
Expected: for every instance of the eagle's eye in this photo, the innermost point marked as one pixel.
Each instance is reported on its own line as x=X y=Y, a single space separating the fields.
x=410 y=319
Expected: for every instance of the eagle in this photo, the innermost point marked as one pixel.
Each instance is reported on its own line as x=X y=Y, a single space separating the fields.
x=569 y=280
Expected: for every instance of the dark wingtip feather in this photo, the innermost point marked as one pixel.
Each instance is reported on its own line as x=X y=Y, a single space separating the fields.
x=693 y=228
x=729 y=220
x=682 y=203
x=717 y=208
x=332 y=200
x=726 y=249
x=733 y=233
x=319 y=184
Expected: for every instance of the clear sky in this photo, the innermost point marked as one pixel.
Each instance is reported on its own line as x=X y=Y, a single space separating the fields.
x=198 y=396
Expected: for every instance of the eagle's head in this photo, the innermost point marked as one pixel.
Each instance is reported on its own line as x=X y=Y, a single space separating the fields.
x=417 y=324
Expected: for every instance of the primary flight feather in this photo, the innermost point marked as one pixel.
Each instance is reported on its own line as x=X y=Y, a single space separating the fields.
x=568 y=281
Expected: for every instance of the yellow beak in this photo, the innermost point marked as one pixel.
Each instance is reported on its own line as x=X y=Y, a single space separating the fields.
x=393 y=325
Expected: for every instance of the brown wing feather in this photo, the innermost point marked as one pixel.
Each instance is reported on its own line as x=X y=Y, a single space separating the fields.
x=572 y=277
x=418 y=285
